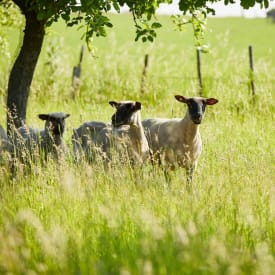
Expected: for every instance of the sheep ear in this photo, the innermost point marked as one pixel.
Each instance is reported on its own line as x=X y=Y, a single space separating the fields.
x=181 y=98
x=211 y=101
x=114 y=104
x=138 y=105
x=43 y=116
x=67 y=115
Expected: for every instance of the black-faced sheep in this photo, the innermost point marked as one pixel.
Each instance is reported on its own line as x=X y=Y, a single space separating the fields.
x=126 y=135
x=31 y=143
x=177 y=141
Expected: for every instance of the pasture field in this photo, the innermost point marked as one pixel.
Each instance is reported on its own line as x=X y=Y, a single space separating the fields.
x=80 y=219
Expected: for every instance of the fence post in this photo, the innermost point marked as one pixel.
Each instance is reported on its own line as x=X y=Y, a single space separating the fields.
x=251 y=72
x=76 y=75
x=144 y=74
x=199 y=71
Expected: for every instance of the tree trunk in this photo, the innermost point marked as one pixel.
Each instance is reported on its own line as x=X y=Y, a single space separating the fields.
x=22 y=72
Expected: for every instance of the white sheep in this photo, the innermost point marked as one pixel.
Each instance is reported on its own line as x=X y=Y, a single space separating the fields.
x=84 y=139
x=125 y=137
x=30 y=143
x=177 y=141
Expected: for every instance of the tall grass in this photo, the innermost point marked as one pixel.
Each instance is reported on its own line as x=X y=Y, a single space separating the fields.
x=81 y=219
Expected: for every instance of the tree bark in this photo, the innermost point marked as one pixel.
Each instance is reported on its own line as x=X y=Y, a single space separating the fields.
x=22 y=71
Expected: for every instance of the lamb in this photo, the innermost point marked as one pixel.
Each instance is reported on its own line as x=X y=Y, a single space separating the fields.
x=30 y=143
x=126 y=134
x=84 y=139
x=176 y=141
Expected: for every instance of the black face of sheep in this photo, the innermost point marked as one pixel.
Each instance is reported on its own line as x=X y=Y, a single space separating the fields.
x=196 y=106
x=124 y=113
x=55 y=122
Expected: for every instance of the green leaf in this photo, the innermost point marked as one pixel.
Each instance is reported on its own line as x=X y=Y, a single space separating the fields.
x=156 y=25
x=266 y=4
x=116 y=6
x=65 y=16
x=150 y=38
x=109 y=24
x=153 y=33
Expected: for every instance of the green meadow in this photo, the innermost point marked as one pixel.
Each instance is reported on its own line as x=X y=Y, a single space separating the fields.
x=81 y=219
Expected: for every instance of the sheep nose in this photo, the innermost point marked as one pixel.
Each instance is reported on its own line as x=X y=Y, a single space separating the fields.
x=197 y=118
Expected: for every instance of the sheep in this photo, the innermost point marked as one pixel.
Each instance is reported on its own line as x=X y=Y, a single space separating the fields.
x=3 y=134
x=5 y=144
x=126 y=134
x=84 y=138
x=177 y=141
x=5 y=147
x=3 y=137
x=30 y=143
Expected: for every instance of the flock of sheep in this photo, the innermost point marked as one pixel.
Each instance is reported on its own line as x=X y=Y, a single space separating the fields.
x=171 y=143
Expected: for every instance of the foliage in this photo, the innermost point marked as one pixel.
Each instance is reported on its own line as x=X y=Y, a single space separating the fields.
x=9 y=16
x=92 y=16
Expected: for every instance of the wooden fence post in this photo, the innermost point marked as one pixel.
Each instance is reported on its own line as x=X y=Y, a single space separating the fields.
x=199 y=71
x=144 y=74
x=76 y=75
x=251 y=72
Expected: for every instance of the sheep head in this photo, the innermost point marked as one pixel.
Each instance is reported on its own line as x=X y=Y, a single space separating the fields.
x=126 y=112
x=55 y=122
x=196 y=106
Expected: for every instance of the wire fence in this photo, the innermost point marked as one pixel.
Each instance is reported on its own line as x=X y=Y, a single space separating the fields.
x=202 y=80
x=249 y=81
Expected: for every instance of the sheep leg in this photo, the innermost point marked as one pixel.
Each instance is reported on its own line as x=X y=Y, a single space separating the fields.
x=167 y=175
x=12 y=167
x=189 y=176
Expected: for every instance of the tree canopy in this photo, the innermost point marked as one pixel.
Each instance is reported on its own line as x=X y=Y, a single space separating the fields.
x=93 y=17
x=8 y=17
